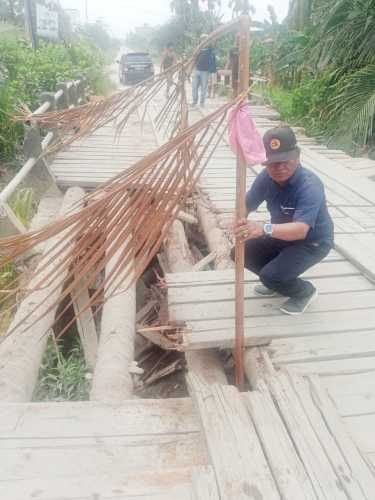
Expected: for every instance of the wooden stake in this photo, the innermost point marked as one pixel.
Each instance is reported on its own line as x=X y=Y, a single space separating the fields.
x=244 y=76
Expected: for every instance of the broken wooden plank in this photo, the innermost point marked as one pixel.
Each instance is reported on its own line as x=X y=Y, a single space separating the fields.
x=284 y=461
x=205 y=364
x=86 y=325
x=205 y=262
x=240 y=466
x=317 y=464
x=355 y=477
x=188 y=218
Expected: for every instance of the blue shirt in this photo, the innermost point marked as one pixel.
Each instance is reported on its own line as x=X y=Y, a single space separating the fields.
x=301 y=199
x=207 y=60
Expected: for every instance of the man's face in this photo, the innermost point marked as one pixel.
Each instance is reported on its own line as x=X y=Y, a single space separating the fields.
x=283 y=171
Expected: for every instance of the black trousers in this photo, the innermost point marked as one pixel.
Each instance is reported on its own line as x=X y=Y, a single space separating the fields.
x=280 y=263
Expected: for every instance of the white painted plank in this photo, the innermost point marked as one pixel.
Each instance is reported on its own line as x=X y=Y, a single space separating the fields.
x=361 y=429
x=325 y=268
x=323 y=347
x=217 y=292
x=85 y=419
x=260 y=307
x=335 y=367
x=356 y=477
x=220 y=333
x=286 y=465
x=169 y=484
x=307 y=442
x=204 y=486
x=353 y=394
x=360 y=250
x=62 y=458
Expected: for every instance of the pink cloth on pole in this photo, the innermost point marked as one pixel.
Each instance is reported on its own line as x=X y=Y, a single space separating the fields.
x=244 y=136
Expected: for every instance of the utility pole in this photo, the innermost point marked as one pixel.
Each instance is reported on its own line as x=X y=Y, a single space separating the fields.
x=29 y=24
x=243 y=85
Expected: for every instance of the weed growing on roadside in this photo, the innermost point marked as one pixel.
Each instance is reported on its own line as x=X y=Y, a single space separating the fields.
x=8 y=280
x=62 y=377
x=24 y=206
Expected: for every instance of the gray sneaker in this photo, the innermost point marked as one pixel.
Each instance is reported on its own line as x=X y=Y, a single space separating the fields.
x=263 y=291
x=297 y=306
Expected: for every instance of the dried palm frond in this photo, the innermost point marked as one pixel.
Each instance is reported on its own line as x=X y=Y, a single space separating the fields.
x=123 y=222
x=80 y=122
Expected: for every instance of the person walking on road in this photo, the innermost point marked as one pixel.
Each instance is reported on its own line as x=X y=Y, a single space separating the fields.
x=168 y=59
x=301 y=232
x=206 y=60
x=212 y=72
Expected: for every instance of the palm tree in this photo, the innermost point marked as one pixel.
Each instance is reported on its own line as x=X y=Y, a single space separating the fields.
x=241 y=7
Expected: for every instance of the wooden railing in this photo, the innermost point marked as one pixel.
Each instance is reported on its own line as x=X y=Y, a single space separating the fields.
x=36 y=173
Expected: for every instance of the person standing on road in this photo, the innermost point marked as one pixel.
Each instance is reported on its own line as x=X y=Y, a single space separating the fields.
x=233 y=64
x=205 y=60
x=168 y=59
x=212 y=71
x=301 y=232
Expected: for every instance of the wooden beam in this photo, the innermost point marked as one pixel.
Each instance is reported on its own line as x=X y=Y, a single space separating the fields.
x=86 y=326
x=21 y=353
x=206 y=261
x=207 y=364
x=234 y=449
x=112 y=381
x=216 y=240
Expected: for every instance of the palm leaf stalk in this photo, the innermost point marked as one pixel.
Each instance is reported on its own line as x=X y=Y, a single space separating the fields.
x=78 y=123
x=126 y=219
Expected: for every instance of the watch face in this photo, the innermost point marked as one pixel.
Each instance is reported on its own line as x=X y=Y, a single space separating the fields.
x=268 y=229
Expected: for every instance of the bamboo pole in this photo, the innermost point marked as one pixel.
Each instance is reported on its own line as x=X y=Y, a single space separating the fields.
x=244 y=76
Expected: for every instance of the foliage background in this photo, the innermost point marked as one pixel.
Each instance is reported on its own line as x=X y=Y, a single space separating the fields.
x=320 y=64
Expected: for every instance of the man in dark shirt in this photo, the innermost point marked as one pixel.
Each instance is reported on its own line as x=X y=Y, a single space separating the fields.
x=233 y=64
x=301 y=230
x=205 y=63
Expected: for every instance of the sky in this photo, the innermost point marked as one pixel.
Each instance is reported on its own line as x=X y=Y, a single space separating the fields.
x=121 y=16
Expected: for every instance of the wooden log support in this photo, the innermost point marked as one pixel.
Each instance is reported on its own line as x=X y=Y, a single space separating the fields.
x=177 y=249
x=205 y=262
x=188 y=218
x=21 y=353
x=206 y=364
x=216 y=240
x=112 y=382
x=86 y=326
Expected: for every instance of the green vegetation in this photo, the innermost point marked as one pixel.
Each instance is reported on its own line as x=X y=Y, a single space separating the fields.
x=25 y=73
x=62 y=377
x=24 y=206
x=320 y=64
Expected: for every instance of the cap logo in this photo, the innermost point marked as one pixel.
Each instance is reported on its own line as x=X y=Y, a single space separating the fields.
x=275 y=144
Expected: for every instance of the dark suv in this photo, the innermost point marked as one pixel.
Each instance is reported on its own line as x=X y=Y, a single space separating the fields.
x=135 y=67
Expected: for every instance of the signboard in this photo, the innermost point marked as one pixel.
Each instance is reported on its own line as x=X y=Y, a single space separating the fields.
x=47 y=21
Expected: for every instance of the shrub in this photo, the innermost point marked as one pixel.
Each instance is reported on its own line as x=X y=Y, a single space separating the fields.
x=26 y=73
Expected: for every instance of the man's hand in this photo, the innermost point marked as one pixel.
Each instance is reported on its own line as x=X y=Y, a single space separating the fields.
x=248 y=230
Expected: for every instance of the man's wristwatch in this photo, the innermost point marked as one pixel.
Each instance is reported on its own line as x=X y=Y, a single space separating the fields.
x=268 y=229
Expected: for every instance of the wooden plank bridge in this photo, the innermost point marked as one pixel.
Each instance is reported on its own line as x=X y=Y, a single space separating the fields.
x=306 y=431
